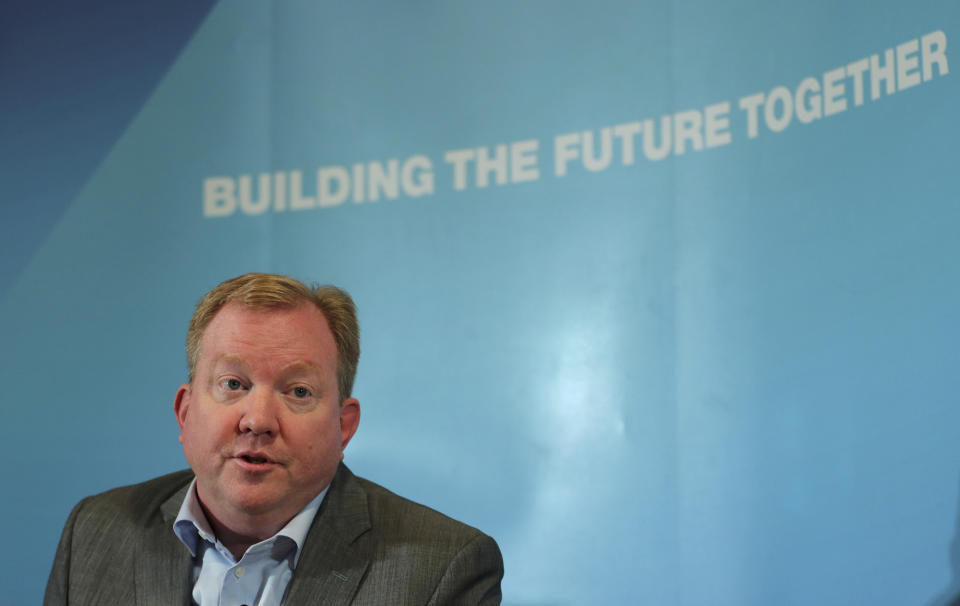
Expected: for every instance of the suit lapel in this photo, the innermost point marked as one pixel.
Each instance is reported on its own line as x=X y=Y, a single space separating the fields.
x=334 y=561
x=162 y=568
x=330 y=569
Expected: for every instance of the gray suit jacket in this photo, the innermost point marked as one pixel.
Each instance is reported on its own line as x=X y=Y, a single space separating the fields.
x=366 y=546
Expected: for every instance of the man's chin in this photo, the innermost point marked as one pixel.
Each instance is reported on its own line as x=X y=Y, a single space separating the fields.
x=256 y=503
x=250 y=498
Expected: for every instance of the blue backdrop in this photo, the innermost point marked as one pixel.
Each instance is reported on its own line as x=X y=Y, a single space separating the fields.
x=661 y=295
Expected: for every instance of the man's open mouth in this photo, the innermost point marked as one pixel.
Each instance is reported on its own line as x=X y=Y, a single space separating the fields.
x=252 y=459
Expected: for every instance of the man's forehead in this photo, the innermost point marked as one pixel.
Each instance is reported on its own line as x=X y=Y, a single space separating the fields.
x=239 y=317
x=232 y=360
x=300 y=334
x=267 y=311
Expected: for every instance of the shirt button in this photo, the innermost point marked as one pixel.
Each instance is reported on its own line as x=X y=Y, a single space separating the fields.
x=238 y=571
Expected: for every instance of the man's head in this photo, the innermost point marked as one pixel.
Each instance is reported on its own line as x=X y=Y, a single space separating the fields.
x=267 y=413
x=266 y=292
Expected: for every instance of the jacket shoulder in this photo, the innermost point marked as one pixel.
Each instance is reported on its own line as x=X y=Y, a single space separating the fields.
x=391 y=513
x=424 y=556
x=95 y=559
x=135 y=504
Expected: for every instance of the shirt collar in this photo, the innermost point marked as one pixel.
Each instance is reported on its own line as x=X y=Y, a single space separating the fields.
x=192 y=527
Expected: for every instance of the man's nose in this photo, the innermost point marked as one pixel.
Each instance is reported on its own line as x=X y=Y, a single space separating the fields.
x=260 y=412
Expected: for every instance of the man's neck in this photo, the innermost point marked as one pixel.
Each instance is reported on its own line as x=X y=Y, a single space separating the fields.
x=238 y=540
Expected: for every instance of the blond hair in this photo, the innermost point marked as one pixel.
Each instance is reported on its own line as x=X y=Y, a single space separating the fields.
x=271 y=291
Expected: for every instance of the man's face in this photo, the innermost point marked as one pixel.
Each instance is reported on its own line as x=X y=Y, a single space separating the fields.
x=262 y=425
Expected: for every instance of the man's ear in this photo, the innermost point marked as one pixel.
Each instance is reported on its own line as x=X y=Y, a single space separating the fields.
x=181 y=403
x=349 y=420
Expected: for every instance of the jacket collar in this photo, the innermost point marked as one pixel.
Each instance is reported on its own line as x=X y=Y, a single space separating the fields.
x=335 y=554
x=163 y=566
x=334 y=560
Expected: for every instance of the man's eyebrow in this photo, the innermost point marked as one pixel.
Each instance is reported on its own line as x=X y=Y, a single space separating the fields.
x=302 y=365
x=229 y=359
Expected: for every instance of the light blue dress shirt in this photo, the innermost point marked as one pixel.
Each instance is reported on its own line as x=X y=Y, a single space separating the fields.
x=262 y=574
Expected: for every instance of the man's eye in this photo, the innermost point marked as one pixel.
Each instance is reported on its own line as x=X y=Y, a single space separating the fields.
x=301 y=392
x=231 y=384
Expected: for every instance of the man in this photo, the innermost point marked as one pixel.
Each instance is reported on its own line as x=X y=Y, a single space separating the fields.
x=268 y=513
